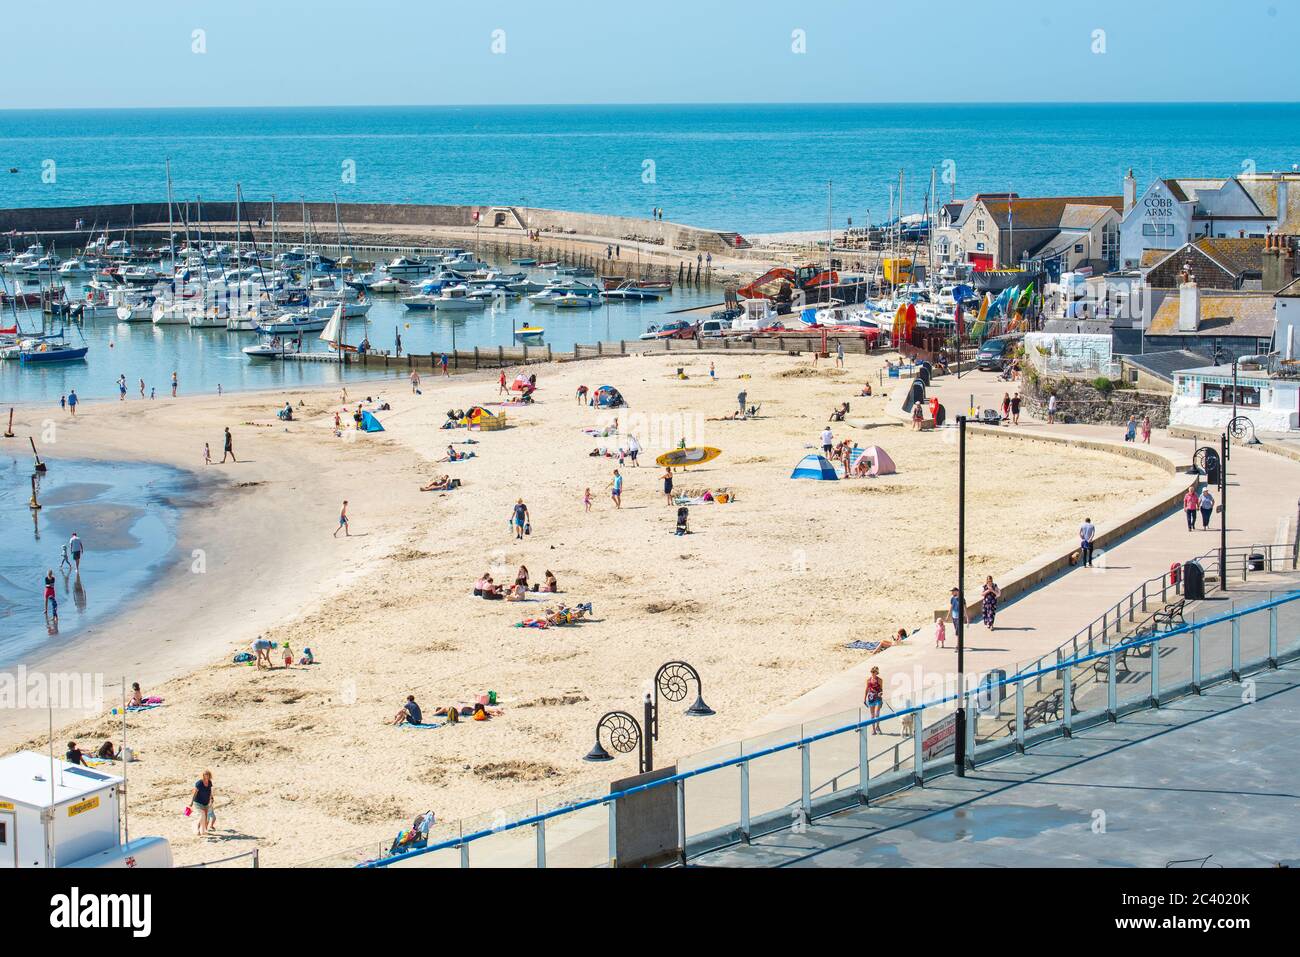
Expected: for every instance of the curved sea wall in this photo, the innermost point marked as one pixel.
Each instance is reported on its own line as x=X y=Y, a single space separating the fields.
x=513 y=219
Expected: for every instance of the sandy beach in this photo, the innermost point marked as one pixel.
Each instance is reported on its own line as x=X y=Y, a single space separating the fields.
x=761 y=598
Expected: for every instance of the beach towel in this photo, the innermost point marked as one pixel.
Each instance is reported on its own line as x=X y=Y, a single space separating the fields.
x=142 y=707
x=863 y=645
x=420 y=727
x=242 y=657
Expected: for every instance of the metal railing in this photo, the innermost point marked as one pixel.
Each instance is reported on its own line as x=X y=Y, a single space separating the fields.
x=1116 y=619
x=584 y=832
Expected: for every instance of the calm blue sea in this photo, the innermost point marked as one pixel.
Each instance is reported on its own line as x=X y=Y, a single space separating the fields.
x=748 y=168
x=742 y=167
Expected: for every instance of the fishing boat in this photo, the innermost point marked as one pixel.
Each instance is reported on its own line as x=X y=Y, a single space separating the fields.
x=457 y=299
x=523 y=261
x=404 y=267
x=574 y=301
x=351 y=310
x=529 y=333
x=291 y=324
x=271 y=347
x=390 y=285
x=628 y=291
x=79 y=266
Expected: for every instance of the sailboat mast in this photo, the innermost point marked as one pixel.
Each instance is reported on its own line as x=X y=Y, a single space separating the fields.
x=171 y=228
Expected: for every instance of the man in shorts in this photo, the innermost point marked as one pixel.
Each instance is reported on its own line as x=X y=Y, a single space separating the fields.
x=343 y=522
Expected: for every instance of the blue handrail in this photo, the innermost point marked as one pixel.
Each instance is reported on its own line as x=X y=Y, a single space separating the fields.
x=821 y=736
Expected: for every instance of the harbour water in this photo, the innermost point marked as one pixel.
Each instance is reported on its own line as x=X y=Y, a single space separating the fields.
x=206 y=358
x=750 y=167
x=125 y=513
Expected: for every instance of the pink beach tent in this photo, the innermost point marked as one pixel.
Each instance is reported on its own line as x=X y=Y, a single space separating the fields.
x=881 y=463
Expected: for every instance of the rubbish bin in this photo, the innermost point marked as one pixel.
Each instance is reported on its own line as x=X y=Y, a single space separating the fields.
x=924 y=372
x=1256 y=559
x=1193 y=580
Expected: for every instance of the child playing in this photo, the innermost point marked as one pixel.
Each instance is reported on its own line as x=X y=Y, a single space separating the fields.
x=586 y=500
x=288 y=655
x=307 y=657
x=207 y=454
x=940 y=633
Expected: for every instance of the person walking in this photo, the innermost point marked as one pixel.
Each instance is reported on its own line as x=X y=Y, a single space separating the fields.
x=75 y=548
x=1051 y=409
x=1146 y=430
x=956 y=611
x=989 y=602
x=175 y=383
x=617 y=489
x=229 y=448
x=142 y=388
x=828 y=441
x=874 y=696
x=343 y=522
x=501 y=383
x=1087 y=532
x=839 y=353
x=520 y=519
x=72 y=402
x=1206 y=502
x=415 y=382
x=442 y=361
x=1006 y=406
x=1130 y=429
x=201 y=799
x=1015 y=409
x=633 y=450
x=51 y=599
x=1191 y=502
x=741 y=397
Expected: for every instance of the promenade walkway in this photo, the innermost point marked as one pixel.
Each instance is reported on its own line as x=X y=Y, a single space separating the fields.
x=1204 y=780
x=1262 y=492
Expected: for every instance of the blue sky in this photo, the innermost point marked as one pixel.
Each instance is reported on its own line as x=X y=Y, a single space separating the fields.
x=91 y=53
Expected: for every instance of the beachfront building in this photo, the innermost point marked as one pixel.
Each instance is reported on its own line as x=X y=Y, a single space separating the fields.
x=1268 y=395
x=1219 y=323
x=947 y=237
x=1174 y=212
x=1060 y=233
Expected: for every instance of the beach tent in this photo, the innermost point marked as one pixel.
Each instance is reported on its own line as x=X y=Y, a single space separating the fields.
x=815 y=467
x=881 y=463
x=369 y=423
x=521 y=383
x=607 y=397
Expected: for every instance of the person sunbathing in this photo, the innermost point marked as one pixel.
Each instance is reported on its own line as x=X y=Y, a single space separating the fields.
x=441 y=483
x=866 y=389
x=550 y=585
x=137 y=697
x=518 y=592
x=107 y=752
x=838 y=414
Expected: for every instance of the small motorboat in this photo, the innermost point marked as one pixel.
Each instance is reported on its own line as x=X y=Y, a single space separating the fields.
x=529 y=333
x=571 y=301
x=523 y=261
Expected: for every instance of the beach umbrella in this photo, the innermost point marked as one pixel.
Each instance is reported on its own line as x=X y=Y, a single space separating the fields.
x=815 y=467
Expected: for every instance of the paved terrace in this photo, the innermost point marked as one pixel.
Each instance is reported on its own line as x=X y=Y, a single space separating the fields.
x=1205 y=778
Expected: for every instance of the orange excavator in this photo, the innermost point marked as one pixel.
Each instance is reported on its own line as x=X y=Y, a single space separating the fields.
x=779 y=283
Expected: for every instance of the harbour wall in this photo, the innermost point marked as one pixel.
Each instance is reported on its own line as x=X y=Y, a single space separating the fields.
x=491 y=219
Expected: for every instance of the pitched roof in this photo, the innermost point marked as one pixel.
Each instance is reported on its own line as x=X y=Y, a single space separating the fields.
x=1163 y=365
x=1044 y=212
x=1291 y=290
x=1081 y=216
x=1235 y=256
x=1222 y=314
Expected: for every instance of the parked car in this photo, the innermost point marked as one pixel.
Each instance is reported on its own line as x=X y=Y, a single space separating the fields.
x=994 y=353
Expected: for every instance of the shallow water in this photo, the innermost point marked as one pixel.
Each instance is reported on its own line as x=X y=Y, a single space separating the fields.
x=123 y=512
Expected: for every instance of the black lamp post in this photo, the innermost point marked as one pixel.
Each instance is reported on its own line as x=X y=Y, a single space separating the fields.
x=624 y=734
x=961 y=597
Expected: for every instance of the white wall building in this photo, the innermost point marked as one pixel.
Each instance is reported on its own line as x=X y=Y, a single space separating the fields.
x=1203 y=399
x=1173 y=212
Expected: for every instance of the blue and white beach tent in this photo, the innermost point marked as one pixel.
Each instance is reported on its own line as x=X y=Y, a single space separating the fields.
x=815 y=467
